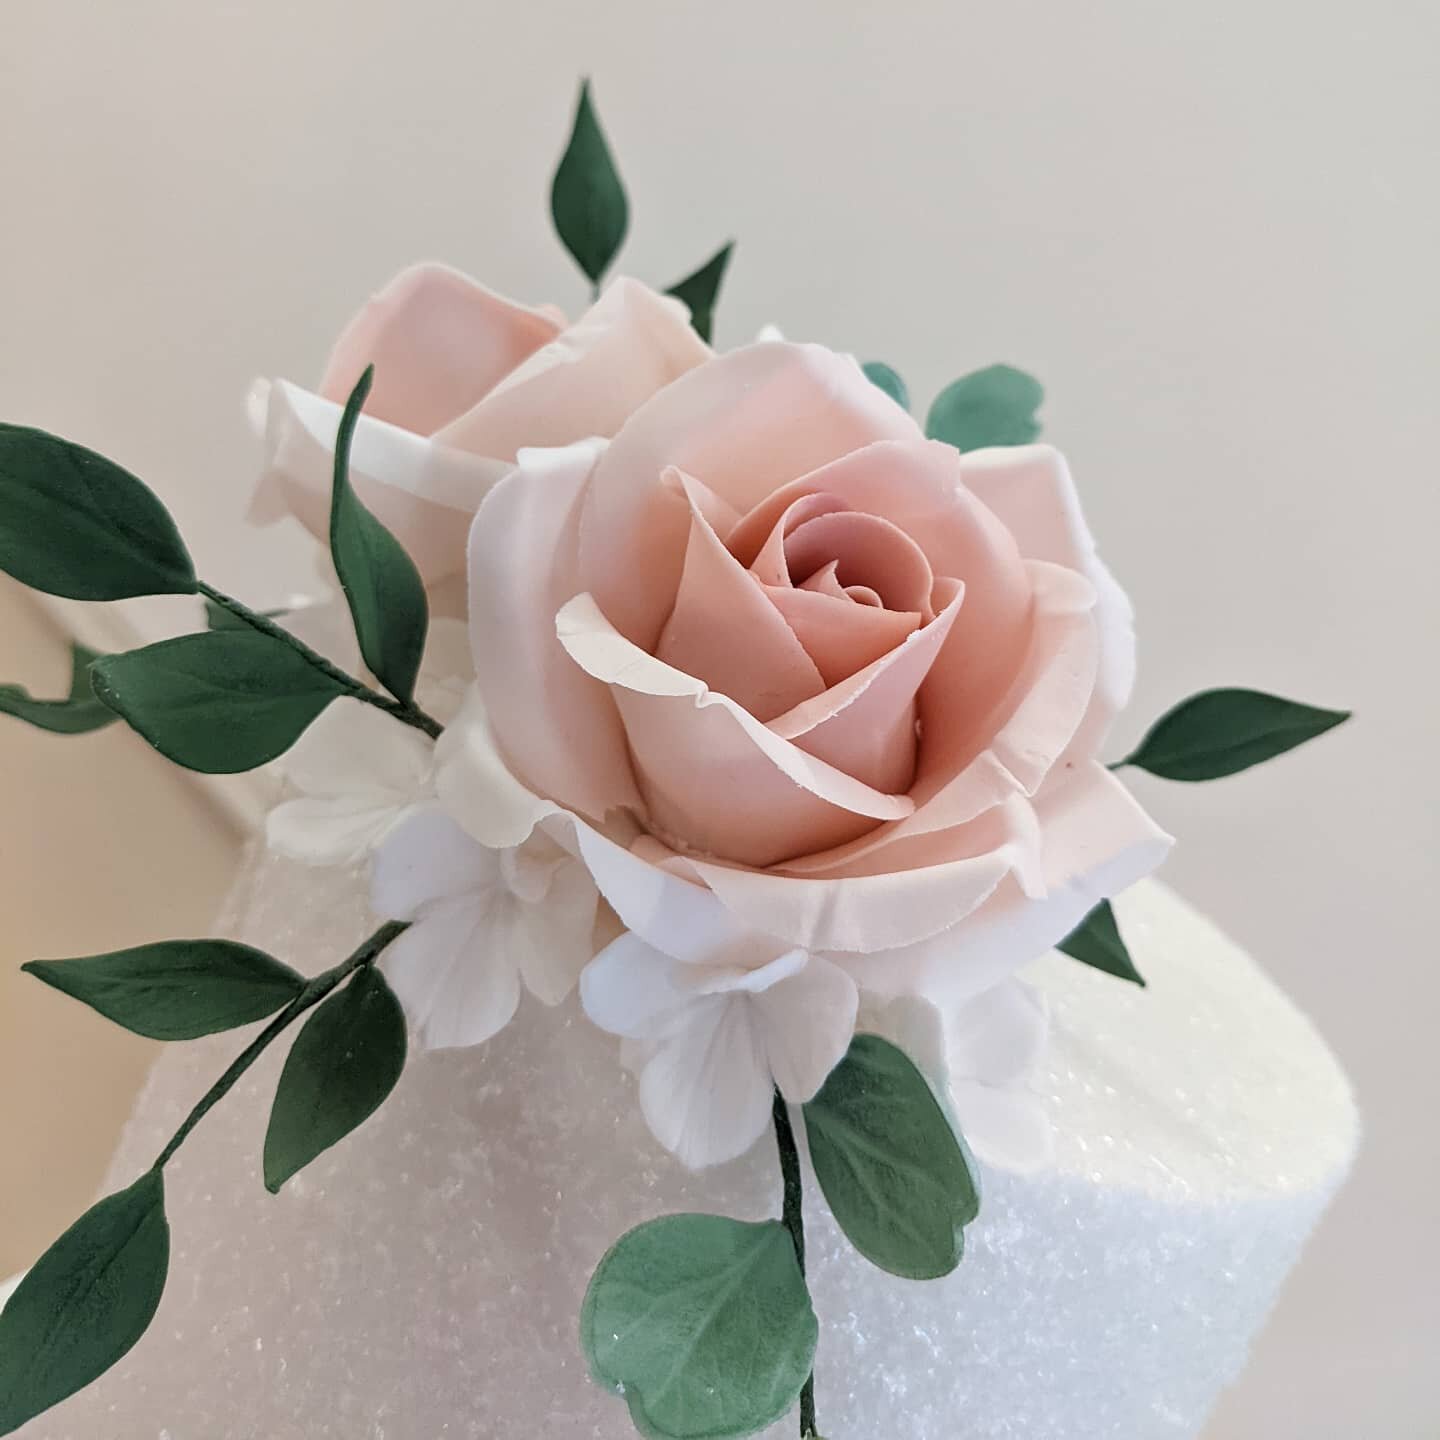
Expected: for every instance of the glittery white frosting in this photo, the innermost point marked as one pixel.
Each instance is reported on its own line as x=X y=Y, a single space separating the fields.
x=424 y=1278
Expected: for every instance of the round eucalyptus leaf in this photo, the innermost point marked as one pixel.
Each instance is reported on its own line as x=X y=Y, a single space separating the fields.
x=994 y=406
x=886 y=378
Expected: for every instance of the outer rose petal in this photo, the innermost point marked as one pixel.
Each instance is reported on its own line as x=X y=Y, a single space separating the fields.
x=743 y=424
x=1030 y=489
x=423 y=492
x=439 y=342
x=589 y=379
x=557 y=726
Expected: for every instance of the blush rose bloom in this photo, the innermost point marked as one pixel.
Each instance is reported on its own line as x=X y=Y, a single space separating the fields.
x=818 y=703
x=463 y=379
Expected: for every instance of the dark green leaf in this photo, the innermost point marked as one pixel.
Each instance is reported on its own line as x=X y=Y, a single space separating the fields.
x=383 y=587
x=176 y=989
x=1096 y=941
x=217 y=702
x=343 y=1064
x=78 y=714
x=994 y=406
x=217 y=617
x=1221 y=732
x=705 y=1322
x=700 y=291
x=898 y=1180
x=73 y=523
x=84 y=1302
x=877 y=372
x=587 y=200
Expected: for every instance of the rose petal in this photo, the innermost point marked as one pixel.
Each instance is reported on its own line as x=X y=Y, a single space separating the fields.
x=839 y=635
x=743 y=424
x=587 y=380
x=557 y=726
x=807 y=1022
x=1030 y=488
x=671 y=718
x=439 y=342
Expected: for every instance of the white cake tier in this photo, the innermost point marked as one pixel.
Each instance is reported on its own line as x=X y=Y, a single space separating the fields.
x=424 y=1278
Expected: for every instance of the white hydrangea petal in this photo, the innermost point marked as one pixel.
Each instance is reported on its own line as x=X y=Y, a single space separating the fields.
x=1008 y=1128
x=426 y=859
x=632 y=990
x=998 y=1037
x=706 y=1093
x=355 y=749
x=915 y=1025
x=807 y=1022
x=331 y=830
x=553 y=939
x=456 y=984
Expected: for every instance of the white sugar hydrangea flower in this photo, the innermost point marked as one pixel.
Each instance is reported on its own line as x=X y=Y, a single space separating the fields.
x=984 y=1053
x=712 y=1038
x=484 y=921
x=358 y=773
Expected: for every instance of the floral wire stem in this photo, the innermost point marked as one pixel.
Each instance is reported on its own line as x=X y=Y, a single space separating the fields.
x=409 y=714
x=793 y=1218
x=314 y=992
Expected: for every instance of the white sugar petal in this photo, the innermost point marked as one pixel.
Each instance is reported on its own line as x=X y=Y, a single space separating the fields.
x=428 y=858
x=339 y=830
x=807 y=1022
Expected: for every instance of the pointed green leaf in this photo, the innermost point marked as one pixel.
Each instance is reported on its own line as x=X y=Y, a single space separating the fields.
x=84 y=1302
x=899 y=1182
x=1096 y=941
x=1221 y=732
x=176 y=989
x=877 y=372
x=701 y=290
x=994 y=406
x=343 y=1064
x=703 y=1323
x=383 y=587
x=217 y=702
x=78 y=714
x=73 y=523
x=587 y=200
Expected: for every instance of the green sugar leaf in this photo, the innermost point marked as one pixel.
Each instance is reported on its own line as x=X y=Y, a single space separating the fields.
x=1222 y=732
x=899 y=1182
x=587 y=200
x=704 y=1324
x=84 y=1302
x=877 y=372
x=77 y=714
x=343 y=1064
x=176 y=989
x=218 y=702
x=1096 y=941
x=994 y=406
x=701 y=290
x=73 y=523
x=382 y=586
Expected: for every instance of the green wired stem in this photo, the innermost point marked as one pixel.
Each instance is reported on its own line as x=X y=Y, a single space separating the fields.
x=792 y=1216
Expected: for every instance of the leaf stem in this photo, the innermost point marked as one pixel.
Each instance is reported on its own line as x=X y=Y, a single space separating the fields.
x=407 y=712
x=792 y=1216
x=314 y=992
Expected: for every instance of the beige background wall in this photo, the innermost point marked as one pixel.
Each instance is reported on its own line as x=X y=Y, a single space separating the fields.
x=1212 y=229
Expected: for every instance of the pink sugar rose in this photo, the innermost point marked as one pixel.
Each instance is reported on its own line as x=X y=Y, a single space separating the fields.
x=818 y=703
x=463 y=378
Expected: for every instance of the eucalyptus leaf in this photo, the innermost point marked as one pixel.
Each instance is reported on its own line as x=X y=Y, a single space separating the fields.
x=343 y=1064
x=878 y=373
x=381 y=584
x=1222 y=732
x=703 y=1323
x=1096 y=941
x=587 y=200
x=898 y=1180
x=84 y=1302
x=73 y=523
x=77 y=714
x=218 y=702
x=176 y=989
x=700 y=290
x=994 y=406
